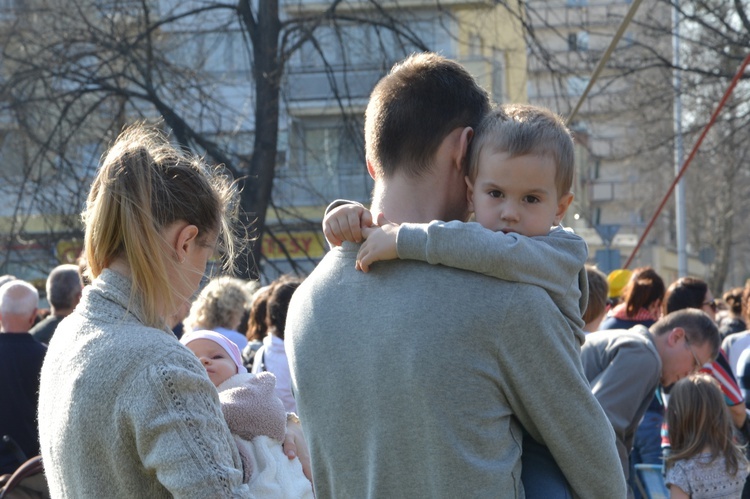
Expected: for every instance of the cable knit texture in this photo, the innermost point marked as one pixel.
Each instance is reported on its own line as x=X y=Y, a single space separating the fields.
x=126 y=411
x=257 y=419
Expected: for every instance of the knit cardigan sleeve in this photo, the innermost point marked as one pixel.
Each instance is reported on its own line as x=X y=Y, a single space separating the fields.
x=175 y=418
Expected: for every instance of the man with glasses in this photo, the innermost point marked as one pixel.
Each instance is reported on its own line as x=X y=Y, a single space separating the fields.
x=624 y=367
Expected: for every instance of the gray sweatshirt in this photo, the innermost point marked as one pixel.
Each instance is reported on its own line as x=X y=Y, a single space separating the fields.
x=624 y=369
x=415 y=381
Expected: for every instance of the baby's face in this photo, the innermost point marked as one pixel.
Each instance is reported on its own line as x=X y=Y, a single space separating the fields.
x=516 y=194
x=219 y=365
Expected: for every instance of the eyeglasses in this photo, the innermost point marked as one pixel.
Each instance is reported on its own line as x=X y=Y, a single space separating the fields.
x=698 y=363
x=711 y=304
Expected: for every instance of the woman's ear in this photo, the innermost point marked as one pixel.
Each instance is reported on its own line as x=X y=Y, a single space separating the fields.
x=185 y=241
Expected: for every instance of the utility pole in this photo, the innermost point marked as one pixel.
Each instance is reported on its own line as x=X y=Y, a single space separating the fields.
x=680 y=218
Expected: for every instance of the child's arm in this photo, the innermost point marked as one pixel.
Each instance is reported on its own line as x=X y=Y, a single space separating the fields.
x=343 y=221
x=551 y=261
x=554 y=262
x=379 y=245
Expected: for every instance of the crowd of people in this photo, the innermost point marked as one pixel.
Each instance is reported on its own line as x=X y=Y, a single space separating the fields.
x=425 y=356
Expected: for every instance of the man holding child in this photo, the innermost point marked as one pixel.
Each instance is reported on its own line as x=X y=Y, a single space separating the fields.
x=420 y=381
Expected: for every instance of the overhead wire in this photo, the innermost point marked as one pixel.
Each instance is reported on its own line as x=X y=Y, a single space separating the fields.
x=693 y=152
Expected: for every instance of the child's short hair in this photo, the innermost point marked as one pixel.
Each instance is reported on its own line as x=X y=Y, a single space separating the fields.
x=521 y=129
x=413 y=108
x=698 y=418
x=598 y=290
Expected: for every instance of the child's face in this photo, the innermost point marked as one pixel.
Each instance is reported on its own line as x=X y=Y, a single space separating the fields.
x=219 y=365
x=516 y=194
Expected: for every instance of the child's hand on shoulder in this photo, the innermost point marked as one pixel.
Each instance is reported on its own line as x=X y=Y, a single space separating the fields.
x=379 y=245
x=345 y=223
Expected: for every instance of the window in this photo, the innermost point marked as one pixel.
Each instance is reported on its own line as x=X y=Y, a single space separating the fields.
x=498 y=76
x=578 y=3
x=578 y=42
x=326 y=162
x=576 y=85
x=476 y=45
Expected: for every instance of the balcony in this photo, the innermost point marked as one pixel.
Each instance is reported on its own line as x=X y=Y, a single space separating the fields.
x=313 y=84
x=296 y=7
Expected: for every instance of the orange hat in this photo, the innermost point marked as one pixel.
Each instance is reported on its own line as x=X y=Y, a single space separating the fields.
x=617 y=279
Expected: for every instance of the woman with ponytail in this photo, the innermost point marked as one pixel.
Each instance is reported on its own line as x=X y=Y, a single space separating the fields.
x=124 y=409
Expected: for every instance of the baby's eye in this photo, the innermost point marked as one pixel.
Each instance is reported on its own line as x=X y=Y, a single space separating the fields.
x=531 y=199
x=218 y=357
x=495 y=194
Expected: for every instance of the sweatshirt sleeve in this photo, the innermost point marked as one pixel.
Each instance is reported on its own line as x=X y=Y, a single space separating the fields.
x=551 y=398
x=179 y=431
x=554 y=262
x=621 y=393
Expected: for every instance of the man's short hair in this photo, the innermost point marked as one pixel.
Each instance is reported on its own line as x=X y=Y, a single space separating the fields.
x=523 y=129
x=699 y=328
x=413 y=108
x=64 y=285
x=19 y=298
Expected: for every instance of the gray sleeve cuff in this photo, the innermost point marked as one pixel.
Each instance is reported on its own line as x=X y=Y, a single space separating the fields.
x=411 y=242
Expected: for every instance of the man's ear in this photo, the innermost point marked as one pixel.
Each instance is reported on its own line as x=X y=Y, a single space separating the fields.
x=463 y=143
x=562 y=207
x=185 y=240
x=371 y=170
x=675 y=335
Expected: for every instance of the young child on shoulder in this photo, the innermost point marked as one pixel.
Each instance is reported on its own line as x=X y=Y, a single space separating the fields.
x=255 y=416
x=519 y=179
x=705 y=461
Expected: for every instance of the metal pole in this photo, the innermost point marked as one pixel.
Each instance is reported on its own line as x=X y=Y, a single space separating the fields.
x=680 y=218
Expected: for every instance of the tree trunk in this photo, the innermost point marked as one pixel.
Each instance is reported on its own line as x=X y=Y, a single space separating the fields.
x=256 y=188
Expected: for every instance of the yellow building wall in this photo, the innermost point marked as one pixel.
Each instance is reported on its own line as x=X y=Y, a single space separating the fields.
x=498 y=29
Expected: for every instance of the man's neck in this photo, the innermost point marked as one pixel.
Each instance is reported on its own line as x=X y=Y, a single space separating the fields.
x=60 y=312
x=415 y=200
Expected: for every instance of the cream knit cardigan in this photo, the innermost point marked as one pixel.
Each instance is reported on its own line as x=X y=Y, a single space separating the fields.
x=126 y=411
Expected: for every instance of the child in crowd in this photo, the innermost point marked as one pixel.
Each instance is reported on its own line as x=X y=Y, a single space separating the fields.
x=598 y=294
x=255 y=416
x=520 y=174
x=705 y=462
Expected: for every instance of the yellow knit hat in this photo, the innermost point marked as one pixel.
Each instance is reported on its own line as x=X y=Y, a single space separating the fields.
x=617 y=279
